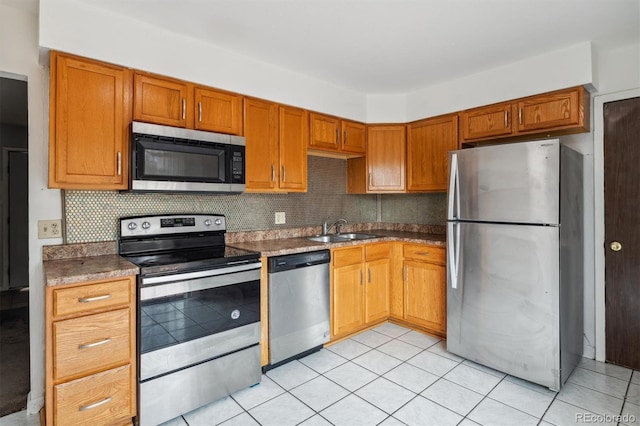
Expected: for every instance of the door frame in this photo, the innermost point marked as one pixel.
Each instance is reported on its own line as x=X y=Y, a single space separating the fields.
x=4 y=214
x=598 y=177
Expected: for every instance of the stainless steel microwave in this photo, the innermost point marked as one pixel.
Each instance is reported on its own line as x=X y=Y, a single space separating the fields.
x=171 y=159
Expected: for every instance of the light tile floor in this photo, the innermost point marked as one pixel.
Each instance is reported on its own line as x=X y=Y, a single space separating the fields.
x=393 y=376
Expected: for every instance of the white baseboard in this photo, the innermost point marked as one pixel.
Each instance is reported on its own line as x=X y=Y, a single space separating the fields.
x=34 y=405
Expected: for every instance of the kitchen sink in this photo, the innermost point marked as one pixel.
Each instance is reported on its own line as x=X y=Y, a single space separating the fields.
x=337 y=238
x=357 y=236
x=326 y=239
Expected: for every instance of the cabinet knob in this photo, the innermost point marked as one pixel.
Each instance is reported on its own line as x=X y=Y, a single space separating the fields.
x=615 y=246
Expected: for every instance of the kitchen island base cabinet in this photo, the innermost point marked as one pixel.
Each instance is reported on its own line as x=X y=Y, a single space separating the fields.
x=90 y=333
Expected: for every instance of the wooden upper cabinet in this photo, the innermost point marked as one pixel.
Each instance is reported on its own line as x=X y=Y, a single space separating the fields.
x=428 y=145
x=386 y=147
x=90 y=113
x=324 y=132
x=218 y=111
x=261 y=136
x=554 y=113
x=294 y=134
x=486 y=122
x=171 y=102
x=557 y=110
x=162 y=100
x=354 y=137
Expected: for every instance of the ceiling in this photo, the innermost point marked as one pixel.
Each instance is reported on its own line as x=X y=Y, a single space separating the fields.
x=391 y=46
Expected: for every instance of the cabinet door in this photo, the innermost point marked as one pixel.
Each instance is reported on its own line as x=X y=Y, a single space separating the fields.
x=428 y=145
x=378 y=277
x=90 y=113
x=386 y=158
x=425 y=295
x=218 y=111
x=162 y=101
x=324 y=132
x=261 y=136
x=348 y=289
x=294 y=133
x=354 y=136
x=552 y=111
x=486 y=122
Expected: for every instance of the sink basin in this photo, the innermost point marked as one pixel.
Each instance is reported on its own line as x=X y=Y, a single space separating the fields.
x=326 y=238
x=357 y=236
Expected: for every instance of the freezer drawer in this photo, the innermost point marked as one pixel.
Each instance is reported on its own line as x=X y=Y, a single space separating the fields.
x=503 y=298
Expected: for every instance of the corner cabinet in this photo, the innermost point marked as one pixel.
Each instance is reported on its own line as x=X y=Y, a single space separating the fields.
x=386 y=148
x=90 y=331
x=90 y=114
x=561 y=112
x=428 y=144
x=360 y=278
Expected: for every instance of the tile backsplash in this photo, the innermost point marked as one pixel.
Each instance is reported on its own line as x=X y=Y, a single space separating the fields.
x=93 y=215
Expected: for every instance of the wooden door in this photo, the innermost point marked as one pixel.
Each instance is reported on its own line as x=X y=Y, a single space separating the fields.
x=378 y=277
x=294 y=133
x=622 y=231
x=162 y=100
x=552 y=111
x=261 y=137
x=324 y=132
x=428 y=145
x=90 y=113
x=486 y=122
x=218 y=111
x=348 y=290
x=386 y=149
x=425 y=295
x=354 y=137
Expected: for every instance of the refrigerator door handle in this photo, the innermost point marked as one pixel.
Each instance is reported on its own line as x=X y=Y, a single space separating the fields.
x=453 y=187
x=454 y=252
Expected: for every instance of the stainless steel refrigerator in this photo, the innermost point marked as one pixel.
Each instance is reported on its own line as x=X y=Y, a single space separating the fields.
x=515 y=258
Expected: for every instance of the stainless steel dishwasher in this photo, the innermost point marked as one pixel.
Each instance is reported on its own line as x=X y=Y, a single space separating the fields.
x=298 y=305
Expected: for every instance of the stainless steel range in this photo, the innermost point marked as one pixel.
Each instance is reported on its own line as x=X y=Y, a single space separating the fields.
x=198 y=313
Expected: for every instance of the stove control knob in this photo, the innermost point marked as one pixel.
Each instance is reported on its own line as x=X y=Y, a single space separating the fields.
x=132 y=226
x=146 y=225
x=218 y=222
x=207 y=222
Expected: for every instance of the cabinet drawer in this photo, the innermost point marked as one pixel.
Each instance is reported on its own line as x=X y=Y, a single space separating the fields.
x=75 y=300
x=87 y=344
x=425 y=253
x=98 y=399
x=377 y=251
x=347 y=256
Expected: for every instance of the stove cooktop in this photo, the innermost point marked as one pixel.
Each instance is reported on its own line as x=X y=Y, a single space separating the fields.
x=179 y=261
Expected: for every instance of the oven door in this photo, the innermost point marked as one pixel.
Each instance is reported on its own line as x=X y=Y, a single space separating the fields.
x=196 y=317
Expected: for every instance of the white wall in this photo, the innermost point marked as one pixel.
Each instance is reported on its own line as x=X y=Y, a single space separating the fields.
x=19 y=55
x=74 y=27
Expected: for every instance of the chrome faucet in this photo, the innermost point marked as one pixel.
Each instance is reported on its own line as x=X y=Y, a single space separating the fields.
x=338 y=224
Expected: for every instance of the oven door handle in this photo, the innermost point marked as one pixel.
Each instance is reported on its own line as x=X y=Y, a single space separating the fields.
x=200 y=274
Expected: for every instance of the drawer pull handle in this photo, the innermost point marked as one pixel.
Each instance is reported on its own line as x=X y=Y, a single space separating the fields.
x=94 y=344
x=94 y=298
x=95 y=404
x=422 y=253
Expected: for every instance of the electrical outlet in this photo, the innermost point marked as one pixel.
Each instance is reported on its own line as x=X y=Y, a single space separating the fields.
x=281 y=218
x=50 y=229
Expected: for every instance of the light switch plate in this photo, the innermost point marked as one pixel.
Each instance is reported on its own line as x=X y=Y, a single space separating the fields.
x=281 y=218
x=50 y=229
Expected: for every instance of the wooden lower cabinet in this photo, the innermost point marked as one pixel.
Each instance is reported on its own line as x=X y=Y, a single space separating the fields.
x=360 y=277
x=425 y=287
x=91 y=353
